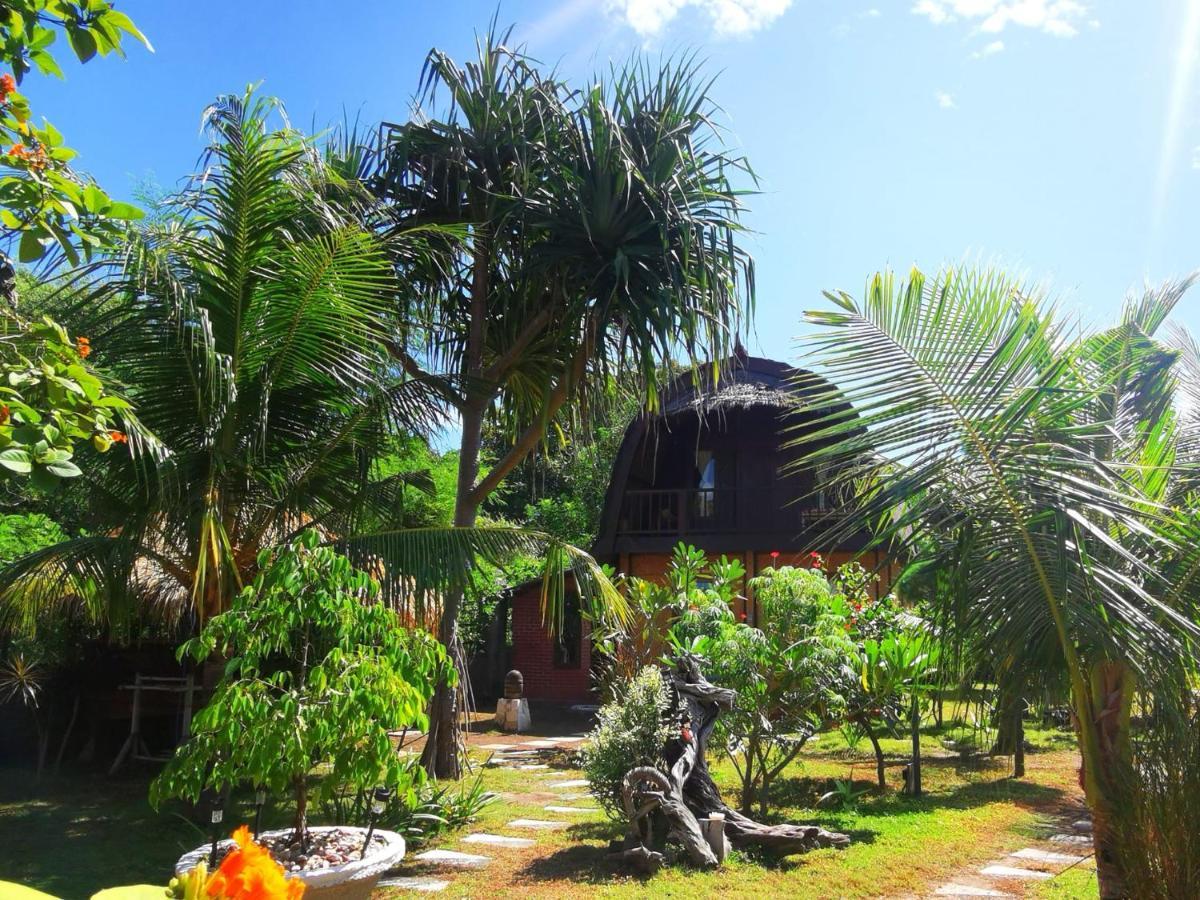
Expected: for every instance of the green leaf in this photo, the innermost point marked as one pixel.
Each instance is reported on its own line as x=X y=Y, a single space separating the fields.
x=83 y=42
x=16 y=460
x=124 y=211
x=31 y=247
x=64 y=469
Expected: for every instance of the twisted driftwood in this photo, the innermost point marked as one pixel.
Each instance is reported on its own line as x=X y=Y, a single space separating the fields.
x=687 y=794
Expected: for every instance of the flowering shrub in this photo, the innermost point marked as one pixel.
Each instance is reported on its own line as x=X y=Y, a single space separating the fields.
x=49 y=401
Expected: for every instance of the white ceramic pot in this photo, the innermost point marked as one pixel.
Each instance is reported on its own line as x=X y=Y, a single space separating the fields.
x=353 y=880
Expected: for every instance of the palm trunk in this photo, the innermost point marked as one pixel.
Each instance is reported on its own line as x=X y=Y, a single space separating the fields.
x=915 y=768
x=1102 y=719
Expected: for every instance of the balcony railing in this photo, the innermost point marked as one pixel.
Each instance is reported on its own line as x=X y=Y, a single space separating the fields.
x=716 y=511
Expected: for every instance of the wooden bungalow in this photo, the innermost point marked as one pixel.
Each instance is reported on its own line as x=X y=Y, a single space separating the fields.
x=711 y=468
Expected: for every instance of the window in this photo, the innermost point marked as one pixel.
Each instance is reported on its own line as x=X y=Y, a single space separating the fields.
x=569 y=641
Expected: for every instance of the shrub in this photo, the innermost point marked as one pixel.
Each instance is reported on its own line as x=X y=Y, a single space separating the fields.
x=631 y=730
x=317 y=673
x=421 y=815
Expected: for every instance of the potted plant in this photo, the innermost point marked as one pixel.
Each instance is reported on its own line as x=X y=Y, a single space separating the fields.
x=317 y=671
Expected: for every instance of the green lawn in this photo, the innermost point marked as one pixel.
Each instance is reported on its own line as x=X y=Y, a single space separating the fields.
x=78 y=833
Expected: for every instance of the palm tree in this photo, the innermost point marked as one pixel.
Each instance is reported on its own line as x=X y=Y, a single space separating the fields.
x=600 y=238
x=251 y=325
x=977 y=407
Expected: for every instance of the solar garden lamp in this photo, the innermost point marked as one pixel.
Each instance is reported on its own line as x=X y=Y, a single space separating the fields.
x=378 y=804
x=260 y=800
x=215 y=817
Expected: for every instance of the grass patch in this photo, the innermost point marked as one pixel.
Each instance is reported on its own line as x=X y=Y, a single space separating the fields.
x=83 y=832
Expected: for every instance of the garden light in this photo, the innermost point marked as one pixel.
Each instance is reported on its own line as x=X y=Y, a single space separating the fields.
x=260 y=800
x=378 y=805
x=215 y=818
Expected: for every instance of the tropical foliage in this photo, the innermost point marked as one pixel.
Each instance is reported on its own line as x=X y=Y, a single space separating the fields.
x=599 y=237
x=251 y=320
x=1061 y=454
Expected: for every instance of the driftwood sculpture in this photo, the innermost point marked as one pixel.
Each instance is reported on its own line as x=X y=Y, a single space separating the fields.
x=673 y=806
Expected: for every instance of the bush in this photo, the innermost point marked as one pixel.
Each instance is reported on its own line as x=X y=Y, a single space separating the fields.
x=631 y=731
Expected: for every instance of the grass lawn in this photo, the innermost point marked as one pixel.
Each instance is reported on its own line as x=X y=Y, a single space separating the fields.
x=972 y=815
x=78 y=833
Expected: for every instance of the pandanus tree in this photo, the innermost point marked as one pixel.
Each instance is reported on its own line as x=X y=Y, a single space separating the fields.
x=977 y=406
x=250 y=323
x=600 y=238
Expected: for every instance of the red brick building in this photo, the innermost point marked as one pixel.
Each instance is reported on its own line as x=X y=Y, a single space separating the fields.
x=709 y=468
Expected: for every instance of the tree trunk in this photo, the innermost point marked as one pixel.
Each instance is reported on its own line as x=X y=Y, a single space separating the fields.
x=880 y=770
x=440 y=757
x=914 y=769
x=300 y=822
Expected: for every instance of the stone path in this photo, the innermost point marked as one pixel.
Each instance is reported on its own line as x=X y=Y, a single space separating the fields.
x=523 y=756
x=1027 y=865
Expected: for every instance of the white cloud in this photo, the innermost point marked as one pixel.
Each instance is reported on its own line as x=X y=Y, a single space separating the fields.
x=730 y=18
x=945 y=100
x=989 y=50
x=871 y=13
x=1060 y=18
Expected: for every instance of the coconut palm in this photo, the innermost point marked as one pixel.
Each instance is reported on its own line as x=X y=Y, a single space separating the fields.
x=978 y=408
x=250 y=323
x=601 y=238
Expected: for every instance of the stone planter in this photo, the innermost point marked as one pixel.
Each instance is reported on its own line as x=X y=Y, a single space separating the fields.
x=350 y=881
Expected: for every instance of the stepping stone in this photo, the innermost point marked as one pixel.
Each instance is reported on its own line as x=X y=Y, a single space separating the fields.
x=1080 y=840
x=536 y=824
x=571 y=809
x=1084 y=826
x=568 y=739
x=997 y=871
x=498 y=840
x=585 y=708
x=496 y=746
x=541 y=745
x=453 y=859
x=1046 y=856
x=428 y=885
x=967 y=890
x=534 y=766
x=574 y=782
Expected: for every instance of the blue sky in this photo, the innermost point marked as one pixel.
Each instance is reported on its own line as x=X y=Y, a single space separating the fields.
x=1060 y=138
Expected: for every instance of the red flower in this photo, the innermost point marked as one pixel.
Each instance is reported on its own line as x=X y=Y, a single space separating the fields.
x=83 y=346
x=118 y=437
x=741 y=616
x=686 y=734
x=5 y=412
x=7 y=86
x=774 y=554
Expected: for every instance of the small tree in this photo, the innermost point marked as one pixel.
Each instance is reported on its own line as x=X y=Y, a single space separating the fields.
x=792 y=673
x=318 y=673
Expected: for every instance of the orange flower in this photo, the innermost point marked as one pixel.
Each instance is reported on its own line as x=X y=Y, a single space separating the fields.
x=5 y=412
x=118 y=437
x=7 y=85
x=249 y=873
x=18 y=151
x=83 y=346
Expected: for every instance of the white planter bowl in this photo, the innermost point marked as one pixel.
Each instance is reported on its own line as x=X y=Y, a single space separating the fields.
x=350 y=881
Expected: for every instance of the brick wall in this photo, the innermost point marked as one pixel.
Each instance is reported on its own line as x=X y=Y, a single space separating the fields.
x=533 y=653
